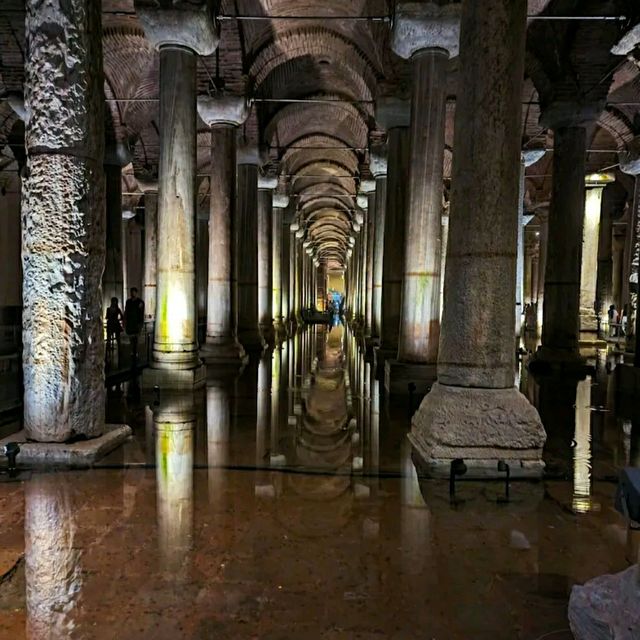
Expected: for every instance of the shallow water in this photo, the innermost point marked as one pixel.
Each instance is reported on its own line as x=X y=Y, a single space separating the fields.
x=284 y=504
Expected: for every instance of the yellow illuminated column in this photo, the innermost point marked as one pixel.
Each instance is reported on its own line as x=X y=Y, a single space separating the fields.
x=179 y=40
x=174 y=423
x=590 y=238
x=582 y=449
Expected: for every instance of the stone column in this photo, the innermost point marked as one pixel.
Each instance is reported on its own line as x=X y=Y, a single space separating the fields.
x=393 y=114
x=116 y=156
x=280 y=203
x=224 y=114
x=589 y=266
x=561 y=318
x=293 y=276
x=285 y=262
x=266 y=186
x=616 y=271
x=149 y=187
x=63 y=227
x=543 y=243
x=247 y=250
x=527 y=158
x=427 y=35
x=179 y=35
x=474 y=411
x=378 y=168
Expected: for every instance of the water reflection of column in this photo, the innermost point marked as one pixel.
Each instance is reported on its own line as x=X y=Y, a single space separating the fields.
x=218 y=428
x=415 y=519
x=582 y=449
x=53 y=572
x=263 y=414
x=277 y=368
x=374 y=431
x=174 y=421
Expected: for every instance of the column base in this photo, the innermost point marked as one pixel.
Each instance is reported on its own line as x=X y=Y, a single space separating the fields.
x=268 y=333
x=559 y=361
x=480 y=426
x=174 y=378
x=398 y=375
x=280 y=331
x=229 y=353
x=76 y=455
x=588 y=321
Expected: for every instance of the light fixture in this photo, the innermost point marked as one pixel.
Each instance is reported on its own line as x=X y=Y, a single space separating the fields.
x=598 y=179
x=128 y=214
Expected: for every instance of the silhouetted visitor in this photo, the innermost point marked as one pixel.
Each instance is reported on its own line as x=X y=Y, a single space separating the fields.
x=114 y=319
x=134 y=319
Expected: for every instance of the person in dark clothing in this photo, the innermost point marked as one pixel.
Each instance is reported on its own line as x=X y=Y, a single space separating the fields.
x=114 y=322
x=134 y=320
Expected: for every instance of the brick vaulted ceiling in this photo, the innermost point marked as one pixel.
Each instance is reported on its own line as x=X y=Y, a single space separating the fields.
x=314 y=69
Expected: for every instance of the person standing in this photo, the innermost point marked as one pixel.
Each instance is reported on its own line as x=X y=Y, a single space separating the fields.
x=114 y=323
x=134 y=320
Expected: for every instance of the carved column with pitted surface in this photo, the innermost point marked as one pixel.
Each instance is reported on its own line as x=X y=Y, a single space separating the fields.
x=63 y=229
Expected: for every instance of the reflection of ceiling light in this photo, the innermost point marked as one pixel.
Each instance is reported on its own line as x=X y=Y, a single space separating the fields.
x=306 y=243
x=294 y=226
x=537 y=233
x=127 y=215
x=299 y=233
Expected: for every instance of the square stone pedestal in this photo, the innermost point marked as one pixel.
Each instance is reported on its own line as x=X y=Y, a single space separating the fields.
x=398 y=375
x=480 y=426
x=174 y=378
x=77 y=455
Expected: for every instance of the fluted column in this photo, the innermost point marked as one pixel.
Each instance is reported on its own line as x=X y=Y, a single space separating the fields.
x=224 y=114
x=378 y=168
x=280 y=202
x=247 y=250
x=393 y=115
x=266 y=186
x=63 y=227
x=179 y=35
x=474 y=411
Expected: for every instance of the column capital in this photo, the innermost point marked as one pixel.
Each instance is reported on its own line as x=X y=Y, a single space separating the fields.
x=531 y=156
x=280 y=200
x=16 y=102
x=420 y=26
x=378 y=161
x=363 y=202
x=366 y=186
x=223 y=109
x=392 y=112
x=117 y=154
x=629 y=41
x=567 y=113
x=358 y=217
x=248 y=154
x=189 y=27
x=630 y=158
x=267 y=183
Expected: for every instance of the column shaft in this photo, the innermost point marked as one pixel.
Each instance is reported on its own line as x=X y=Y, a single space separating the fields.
x=478 y=323
x=394 y=230
x=174 y=344
x=265 y=231
x=247 y=242
x=589 y=267
x=150 y=254
x=293 y=293
x=368 y=264
x=378 y=253
x=63 y=221
x=112 y=279
x=420 y=321
x=276 y=267
x=561 y=317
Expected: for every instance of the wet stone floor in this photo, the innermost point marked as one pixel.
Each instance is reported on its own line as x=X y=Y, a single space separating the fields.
x=284 y=504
